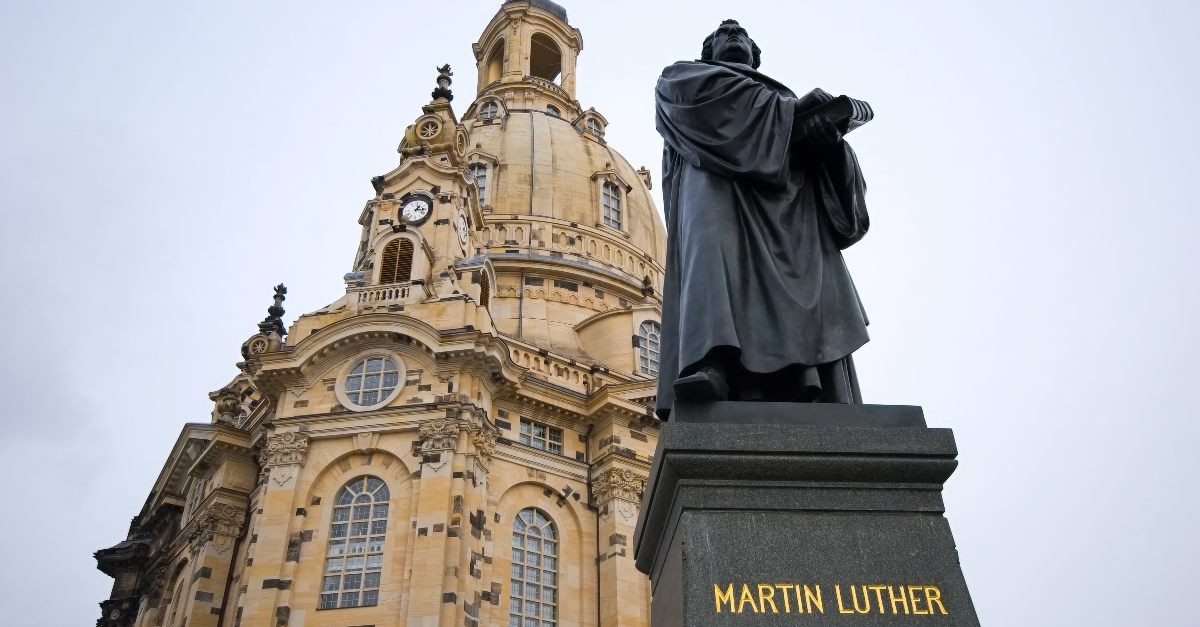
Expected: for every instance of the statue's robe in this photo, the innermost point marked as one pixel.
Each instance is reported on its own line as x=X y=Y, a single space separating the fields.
x=755 y=229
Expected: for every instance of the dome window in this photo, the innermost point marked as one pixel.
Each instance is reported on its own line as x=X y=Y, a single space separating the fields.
x=611 y=206
x=489 y=110
x=553 y=110
x=649 y=347
x=594 y=127
x=545 y=57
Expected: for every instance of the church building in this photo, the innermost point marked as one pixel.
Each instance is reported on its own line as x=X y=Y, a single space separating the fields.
x=463 y=436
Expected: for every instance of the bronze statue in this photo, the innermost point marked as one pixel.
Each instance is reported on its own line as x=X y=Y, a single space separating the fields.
x=761 y=195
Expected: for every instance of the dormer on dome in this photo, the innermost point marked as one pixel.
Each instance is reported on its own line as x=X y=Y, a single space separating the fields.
x=527 y=54
x=591 y=123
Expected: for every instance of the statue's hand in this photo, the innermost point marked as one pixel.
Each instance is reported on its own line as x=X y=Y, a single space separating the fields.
x=818 y=133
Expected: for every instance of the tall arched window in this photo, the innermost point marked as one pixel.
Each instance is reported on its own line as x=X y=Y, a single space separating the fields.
x=611 y=206
x=649 y=347
x=533 y=589
x=478 y=172
x=396 y=263
x=495 y=64
x=545 y=57
x=354 y=561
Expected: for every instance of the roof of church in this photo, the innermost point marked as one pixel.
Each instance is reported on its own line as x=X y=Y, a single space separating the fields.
x=545 y=4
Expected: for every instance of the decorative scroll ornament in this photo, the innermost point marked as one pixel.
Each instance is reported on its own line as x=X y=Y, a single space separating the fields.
x=218 y=522
x=284 y=449
x=618 y=483
x=440 y=434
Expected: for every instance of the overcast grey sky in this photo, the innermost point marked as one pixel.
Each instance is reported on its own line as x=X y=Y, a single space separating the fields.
x=1031 y=273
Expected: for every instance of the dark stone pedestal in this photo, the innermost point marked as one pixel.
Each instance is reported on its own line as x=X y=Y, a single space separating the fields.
x=779 y=513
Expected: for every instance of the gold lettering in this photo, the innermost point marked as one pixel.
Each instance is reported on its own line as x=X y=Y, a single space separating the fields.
x=809 y=598
x=726 y=596
x=934 y=595
x=866 y=600
x=912 y=598
x=902 y=600
x=766 y=594
x=747 y=597
x=878 y=596
x=837 y=590
x=787 y=602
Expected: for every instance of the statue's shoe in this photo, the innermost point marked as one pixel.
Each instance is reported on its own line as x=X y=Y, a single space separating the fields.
x=706 y=385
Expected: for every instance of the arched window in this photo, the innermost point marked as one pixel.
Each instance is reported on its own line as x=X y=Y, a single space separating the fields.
x=489 y=110
x=354 y=561
x=545 y=57
x=593 y=125
x=533 y=588
x=553 y=110
x=649 y=347
x=478 y=173
x=611 y=206
x=485 y=289
x=396 y=265
x=495 y=63
x=177 y=617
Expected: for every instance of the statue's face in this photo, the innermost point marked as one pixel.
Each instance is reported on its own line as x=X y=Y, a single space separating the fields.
x=731 y=43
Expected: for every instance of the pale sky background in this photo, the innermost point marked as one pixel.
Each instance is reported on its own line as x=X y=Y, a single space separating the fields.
x=1031 y=271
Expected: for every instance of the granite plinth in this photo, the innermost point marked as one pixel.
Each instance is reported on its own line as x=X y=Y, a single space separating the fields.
x=829 y=513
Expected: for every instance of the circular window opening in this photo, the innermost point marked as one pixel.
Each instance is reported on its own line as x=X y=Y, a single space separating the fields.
x=372 y=381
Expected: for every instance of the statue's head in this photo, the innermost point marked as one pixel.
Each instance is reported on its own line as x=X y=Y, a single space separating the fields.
x=731 y=43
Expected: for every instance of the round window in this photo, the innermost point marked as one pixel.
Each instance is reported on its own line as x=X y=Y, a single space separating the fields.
x=372 y=381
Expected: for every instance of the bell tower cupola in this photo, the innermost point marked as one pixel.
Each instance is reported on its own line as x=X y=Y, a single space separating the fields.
x=527 y=54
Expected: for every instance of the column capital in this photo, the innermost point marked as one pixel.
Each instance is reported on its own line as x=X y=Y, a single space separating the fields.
x=217 y=519
x=284 y=449
x=618 y=483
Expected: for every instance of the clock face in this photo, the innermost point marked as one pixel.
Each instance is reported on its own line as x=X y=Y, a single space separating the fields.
x=462 y=230
x=416 y=209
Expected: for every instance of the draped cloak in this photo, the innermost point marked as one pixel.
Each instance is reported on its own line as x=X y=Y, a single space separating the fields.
x=755 y=227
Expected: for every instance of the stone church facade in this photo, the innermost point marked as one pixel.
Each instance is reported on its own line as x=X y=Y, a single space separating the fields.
x=462 y=438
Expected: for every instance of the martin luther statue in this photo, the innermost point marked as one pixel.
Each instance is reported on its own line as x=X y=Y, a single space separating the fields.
x=761 y=195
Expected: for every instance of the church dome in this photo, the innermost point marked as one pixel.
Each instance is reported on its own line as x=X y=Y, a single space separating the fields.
x=569 y=225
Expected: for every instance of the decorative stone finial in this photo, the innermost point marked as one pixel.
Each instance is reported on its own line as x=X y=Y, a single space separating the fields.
x=443 y=82
x=274 y=319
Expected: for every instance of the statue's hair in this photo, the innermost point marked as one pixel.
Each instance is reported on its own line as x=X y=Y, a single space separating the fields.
x=706 y=52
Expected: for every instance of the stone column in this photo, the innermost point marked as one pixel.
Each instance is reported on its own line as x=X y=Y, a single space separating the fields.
x=269 y=578
x=617 y=490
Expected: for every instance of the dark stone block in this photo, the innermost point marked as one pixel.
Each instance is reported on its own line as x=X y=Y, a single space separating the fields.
x=830 y=511
x=202 y=573
x=204 y=597
x=449 y=597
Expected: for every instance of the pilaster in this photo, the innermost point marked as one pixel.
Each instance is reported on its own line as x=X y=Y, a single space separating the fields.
x=624 y=594
x=269 y=575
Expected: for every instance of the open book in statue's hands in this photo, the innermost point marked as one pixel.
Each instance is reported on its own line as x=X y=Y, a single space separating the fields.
x=843 y=112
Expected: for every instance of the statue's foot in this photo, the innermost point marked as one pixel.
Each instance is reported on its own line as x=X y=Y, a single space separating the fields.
x=705 y=385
